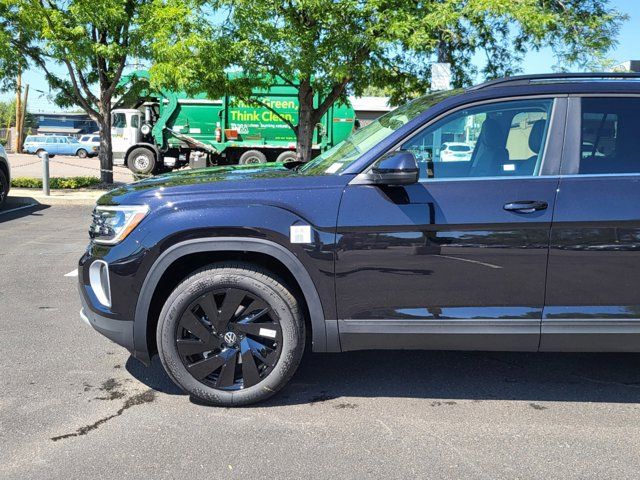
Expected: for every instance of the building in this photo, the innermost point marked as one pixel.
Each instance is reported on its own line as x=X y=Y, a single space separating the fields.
x=65 y=123
x=628 y=66
x=369 y=108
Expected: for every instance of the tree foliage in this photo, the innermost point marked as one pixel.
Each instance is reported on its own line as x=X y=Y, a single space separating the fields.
x=332 y=48
x=90 y=39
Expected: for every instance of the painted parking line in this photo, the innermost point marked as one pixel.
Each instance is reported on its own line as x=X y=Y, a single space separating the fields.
x=73 y=273
x=19 y=208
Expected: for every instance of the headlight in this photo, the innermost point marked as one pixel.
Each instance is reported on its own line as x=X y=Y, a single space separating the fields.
x=112 y=224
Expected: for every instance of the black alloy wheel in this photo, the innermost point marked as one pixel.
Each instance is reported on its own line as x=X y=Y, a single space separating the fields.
x=231 y=334
x=229 y=339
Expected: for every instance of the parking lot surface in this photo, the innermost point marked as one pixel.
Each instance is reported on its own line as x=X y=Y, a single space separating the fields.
x=74 y=405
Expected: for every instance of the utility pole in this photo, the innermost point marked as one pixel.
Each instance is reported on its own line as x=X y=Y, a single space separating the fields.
x=18 y=145
x=24 y=111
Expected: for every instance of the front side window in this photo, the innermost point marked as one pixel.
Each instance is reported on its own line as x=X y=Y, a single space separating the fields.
x=610 y=136
x=119 y=120
x=134 y=121
x=503 y=139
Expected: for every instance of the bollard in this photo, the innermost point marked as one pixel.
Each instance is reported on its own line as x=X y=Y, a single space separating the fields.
x=45 y=173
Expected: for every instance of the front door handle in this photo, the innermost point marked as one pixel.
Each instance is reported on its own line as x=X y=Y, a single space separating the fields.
x=526 y=206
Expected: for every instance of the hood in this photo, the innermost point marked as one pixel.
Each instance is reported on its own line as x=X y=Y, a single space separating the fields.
x=204 y=180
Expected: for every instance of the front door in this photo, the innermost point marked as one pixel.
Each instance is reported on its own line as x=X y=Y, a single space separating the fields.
x=593 y=286
x=458 y=260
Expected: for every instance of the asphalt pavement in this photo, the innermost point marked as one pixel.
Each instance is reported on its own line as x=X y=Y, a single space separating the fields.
x=75 y=405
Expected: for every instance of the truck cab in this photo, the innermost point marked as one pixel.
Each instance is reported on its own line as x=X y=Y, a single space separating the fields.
x=126 y=126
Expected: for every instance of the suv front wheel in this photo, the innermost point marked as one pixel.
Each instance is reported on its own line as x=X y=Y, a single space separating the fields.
x=231 y=334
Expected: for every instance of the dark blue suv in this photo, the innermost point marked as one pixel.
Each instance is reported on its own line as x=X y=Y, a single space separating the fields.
x=531 y=242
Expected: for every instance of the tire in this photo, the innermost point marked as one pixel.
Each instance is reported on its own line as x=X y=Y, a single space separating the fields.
x=4 y=187
x=141 y=161
x=288 y=156
x=82 y=153
x=203 y=357
x=252 y=156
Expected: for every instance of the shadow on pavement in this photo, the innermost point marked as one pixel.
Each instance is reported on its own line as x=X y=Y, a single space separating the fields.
x=18 y=207
x=564 y=377
x=153 y=376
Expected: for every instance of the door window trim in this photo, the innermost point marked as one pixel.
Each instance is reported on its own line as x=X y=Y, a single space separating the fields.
x=547 y=168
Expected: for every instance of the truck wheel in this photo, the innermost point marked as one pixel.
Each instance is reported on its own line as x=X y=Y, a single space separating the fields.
x=252 y=156
x=231 y=334
x=141 y=161
x=288 y=156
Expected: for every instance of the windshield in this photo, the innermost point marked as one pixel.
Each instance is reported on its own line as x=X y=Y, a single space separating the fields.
x=338 y=158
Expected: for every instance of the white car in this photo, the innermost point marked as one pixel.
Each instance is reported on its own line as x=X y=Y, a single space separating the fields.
x=455 y=152
x=92 y=139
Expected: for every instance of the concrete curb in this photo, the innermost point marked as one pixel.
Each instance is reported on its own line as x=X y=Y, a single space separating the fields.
x=59 y=197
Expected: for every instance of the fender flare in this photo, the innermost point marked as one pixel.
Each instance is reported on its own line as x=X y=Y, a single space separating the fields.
x=150 y=146
x=324 y=333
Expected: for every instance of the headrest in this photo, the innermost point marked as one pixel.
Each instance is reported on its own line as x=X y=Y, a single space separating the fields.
x=535 y=135
x=491 y=134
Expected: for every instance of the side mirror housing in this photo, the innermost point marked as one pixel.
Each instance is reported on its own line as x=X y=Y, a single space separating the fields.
x=394 y=168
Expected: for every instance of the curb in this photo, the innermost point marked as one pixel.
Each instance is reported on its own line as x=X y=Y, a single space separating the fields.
x=59 y=197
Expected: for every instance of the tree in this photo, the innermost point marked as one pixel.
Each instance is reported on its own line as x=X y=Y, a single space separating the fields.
x=329 y=48
x=90 y=39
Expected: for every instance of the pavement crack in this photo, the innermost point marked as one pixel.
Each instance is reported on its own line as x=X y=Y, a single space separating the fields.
x=144 y=397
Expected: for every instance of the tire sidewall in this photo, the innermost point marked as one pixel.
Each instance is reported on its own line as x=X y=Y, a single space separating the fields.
x=288 y=156
x=4 y=187
x=252 y=154
x=290 y=323
x=136 y=153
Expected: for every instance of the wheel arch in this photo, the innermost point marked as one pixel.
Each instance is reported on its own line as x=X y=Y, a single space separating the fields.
x=324 y=335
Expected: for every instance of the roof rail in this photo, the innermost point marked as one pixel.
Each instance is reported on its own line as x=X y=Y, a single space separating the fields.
x=554 y=78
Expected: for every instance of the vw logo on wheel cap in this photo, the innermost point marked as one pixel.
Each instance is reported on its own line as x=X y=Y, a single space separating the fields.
x=230 y=338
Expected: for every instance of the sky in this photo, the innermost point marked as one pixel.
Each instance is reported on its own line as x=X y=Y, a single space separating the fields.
x=534 y=62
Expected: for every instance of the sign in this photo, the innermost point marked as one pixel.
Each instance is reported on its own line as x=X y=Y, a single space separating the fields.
x=440 y=76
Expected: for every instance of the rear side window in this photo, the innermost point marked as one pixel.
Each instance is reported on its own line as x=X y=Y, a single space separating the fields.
x=610 y=136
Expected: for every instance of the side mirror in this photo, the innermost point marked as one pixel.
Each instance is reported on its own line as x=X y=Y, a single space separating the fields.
x=394 y=168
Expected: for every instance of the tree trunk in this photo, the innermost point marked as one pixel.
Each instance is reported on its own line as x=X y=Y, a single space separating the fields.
x=106 y=152
x=306 y=122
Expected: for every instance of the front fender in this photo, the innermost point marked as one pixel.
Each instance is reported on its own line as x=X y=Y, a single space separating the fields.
x=325 y=335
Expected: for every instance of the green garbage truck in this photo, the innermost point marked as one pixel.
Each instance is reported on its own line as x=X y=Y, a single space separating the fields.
x=163 y=130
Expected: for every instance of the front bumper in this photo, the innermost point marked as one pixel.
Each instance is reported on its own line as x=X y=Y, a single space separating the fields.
x=118 y=331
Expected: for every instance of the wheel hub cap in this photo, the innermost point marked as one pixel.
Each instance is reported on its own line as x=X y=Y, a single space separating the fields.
x=230 y=339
